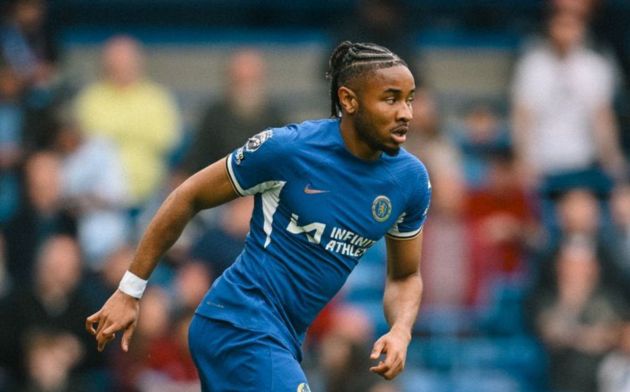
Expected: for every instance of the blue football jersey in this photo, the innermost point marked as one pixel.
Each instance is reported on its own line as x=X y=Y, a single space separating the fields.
x=317 y=209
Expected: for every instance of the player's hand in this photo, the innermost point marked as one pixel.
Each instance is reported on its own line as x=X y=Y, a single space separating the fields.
x=393 y=346
x=120 y=312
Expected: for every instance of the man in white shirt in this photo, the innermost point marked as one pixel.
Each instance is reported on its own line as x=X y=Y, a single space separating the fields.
x=565 y=133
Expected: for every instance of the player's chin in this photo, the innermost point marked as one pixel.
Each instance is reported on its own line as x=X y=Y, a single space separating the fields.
x=391 y=149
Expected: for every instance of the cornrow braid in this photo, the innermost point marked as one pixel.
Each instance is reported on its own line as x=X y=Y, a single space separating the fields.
x=350 y=60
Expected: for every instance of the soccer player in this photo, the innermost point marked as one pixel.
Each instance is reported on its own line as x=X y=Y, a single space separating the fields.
x=325 y=191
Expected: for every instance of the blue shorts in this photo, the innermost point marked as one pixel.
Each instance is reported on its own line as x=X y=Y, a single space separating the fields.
x=232 y=359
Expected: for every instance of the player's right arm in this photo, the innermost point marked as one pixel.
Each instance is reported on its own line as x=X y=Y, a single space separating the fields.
x=208 y=188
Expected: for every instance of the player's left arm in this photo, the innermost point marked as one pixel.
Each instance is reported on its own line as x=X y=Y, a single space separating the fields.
x=607 y=141
x=401 y=302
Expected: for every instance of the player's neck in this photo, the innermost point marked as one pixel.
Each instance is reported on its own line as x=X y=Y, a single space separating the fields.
x=354 y=143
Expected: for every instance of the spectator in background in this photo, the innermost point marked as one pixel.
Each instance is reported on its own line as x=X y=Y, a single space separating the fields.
x=244 y=110
x=53 y=302
x=94 y=188
x=11 y=141
x=345 y=352
x=620 y=206
x=578 y=214
x=614 y=372
x=28 y=47
x=41 y=215
x=219 y=245
x=190 y=285
x=170 y=366
x=97 y=285
x=428 y=140
x=500 y=221
x=446 y=249
x=26 y=42
x=50 y=357
x=138 y=115
x=565 y=133
x=481 y=134
x=576 y=319
x=155 y=320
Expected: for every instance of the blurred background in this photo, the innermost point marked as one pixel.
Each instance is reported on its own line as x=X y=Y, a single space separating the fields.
x=522 y=116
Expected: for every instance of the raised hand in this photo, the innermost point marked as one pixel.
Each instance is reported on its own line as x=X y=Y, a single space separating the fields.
x=120 y=312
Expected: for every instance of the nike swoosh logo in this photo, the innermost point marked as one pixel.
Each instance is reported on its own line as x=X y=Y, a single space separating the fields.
x=310 y=191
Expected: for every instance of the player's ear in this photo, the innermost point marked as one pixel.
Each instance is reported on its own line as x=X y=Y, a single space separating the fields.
x=348 y=100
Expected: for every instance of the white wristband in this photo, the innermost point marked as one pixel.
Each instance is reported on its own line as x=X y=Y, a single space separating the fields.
x=132 y=285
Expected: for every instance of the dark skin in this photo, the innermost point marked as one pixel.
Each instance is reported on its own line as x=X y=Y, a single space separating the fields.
x=376 y=114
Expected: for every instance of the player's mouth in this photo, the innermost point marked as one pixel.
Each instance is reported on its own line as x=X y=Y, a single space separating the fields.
x=399 y=134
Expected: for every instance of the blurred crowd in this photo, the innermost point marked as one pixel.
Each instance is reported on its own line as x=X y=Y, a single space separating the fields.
x=528 y=237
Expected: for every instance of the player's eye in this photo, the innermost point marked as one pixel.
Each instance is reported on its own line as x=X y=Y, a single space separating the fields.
x=390 y=100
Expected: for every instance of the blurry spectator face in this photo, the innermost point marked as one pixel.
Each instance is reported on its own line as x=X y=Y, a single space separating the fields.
x=246 y=77
x=68 y=139
x=335 y=352
x=10 y=84
x=566 y=31
x=580 y=7
x=122 y=61
x=448 y=195
x=624 y=343
x=246 y=67
x=482 y=124
x=154 y=314
x=192 y=282
x=29 y=14
x=621 y=205
x=237 y=215
x=425 y=113
x=59 y=265
x=43 y=176
x=352 y=323
x=579 y=211
x=50 y=358
x=349 y=327
x=116 y=265
x=502 y=175
x=577 y=269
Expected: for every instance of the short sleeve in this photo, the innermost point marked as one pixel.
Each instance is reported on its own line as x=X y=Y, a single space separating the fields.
x=255 y=167
x=409 y=224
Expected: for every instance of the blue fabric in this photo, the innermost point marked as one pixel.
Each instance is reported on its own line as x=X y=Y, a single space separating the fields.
x=317 y=209
x=231 y=359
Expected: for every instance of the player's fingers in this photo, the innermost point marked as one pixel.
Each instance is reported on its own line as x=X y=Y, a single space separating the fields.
x=391 y=358
x=124 y=343
x=110 y=330
x=378 y=349
x=393 y=370
x=381 y=368
x=103 y=323
x=90 y=321
x=103 y=340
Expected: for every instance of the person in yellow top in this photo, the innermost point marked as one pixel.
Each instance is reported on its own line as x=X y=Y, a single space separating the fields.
x=138 y=115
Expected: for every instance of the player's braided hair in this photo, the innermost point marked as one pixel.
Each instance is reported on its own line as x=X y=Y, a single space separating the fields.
x=349 y=60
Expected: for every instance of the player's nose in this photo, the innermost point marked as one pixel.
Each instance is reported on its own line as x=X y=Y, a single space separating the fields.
x=404 y=113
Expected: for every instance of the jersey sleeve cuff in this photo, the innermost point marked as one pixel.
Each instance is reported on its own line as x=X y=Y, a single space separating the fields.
x=232 y=176
x=397 y=235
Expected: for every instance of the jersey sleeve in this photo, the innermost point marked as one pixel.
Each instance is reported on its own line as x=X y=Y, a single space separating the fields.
x=256 y=166
x=409 y=224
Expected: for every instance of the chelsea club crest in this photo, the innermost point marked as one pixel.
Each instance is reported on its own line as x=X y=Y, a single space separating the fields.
x=381 y=208
x=254 y=142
